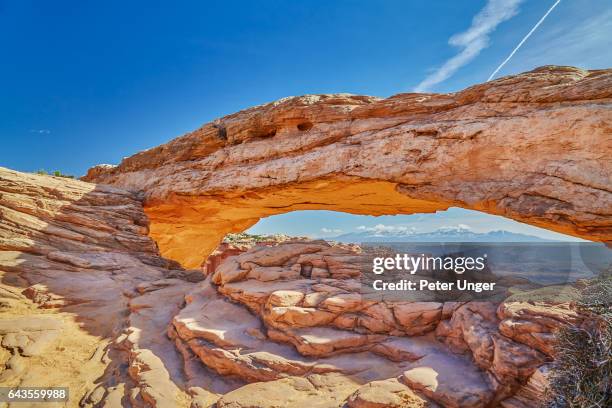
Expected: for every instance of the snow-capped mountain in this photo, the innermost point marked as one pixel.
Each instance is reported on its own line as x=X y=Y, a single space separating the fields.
x=446 y=234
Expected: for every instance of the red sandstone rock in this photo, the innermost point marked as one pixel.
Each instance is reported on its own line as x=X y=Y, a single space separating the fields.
x=124 y=325
x=282 y=309
x=535 y=324
x=531 y=147
x=285 y=323
x=215 y=259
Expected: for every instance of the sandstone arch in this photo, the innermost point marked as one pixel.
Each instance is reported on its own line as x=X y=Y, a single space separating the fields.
x=536 y=147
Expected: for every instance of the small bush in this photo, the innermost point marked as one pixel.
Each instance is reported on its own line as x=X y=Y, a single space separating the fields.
x=581 y=375
x=56 y=173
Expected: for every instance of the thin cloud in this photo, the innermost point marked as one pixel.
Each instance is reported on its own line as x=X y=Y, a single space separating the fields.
x=454 y=228
x=473 y=40
x=389 y=229
x=331 y=230
x=382 y=229
x=40 y=131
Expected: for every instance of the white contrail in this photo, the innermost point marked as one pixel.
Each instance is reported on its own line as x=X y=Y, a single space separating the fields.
x=535 y=27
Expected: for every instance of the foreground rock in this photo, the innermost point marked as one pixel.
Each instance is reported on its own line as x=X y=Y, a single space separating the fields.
x=295 y=309
x=88 y=303
x=86 y=299
x=534 y=324
x=386 y=394
x=531 y=147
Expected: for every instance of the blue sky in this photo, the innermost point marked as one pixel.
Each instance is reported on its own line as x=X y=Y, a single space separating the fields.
x=83 y=83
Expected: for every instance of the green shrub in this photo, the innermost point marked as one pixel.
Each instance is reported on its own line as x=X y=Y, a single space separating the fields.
x=56 y=173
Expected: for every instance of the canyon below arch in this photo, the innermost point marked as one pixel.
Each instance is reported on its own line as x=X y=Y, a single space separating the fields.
x=119 y=286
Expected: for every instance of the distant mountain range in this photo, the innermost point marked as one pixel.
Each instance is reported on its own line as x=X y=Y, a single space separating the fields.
x=446 y=234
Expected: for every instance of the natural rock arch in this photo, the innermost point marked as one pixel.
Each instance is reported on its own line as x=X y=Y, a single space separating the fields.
x=536 y=148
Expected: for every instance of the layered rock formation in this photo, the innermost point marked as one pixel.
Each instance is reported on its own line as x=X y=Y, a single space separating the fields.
x=534 y=147
x=88 y=302
x=297 y=309
x=74 y=260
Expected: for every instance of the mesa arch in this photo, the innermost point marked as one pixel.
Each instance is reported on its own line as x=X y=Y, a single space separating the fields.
x=535 y=147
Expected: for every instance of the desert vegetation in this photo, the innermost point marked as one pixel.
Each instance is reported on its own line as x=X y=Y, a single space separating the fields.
x=55 y=173
x=582 y=372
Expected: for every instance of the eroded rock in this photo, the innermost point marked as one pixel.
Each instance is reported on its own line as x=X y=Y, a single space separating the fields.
x=120 y=324
x=74 y=258
x=535 y=324
x=528 y=147
x=317 y=391
x=386 y=394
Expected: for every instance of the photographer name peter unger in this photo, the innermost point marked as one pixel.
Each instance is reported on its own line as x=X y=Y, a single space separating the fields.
x=423 y=284
x=411 y=264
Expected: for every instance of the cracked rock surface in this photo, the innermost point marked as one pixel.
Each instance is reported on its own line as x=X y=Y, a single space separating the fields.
x=259 y=317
